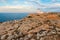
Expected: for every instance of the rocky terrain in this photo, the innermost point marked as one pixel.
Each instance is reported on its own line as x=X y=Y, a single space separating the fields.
x=44 y=26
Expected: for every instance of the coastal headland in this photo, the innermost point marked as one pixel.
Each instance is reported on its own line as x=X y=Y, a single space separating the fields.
x=38 y=26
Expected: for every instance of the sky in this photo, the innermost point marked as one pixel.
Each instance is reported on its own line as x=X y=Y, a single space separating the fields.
x=29 y=5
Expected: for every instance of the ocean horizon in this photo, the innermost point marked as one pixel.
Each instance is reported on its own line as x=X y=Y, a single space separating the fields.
x=12 y=16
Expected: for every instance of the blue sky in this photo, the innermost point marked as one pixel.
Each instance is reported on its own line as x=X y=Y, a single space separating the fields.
x=29 y=5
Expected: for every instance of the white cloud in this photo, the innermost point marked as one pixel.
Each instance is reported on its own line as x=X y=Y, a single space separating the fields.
x=53 y=5
x=16 y=2
x=56 y=4
x=25 y=8
x=17 y=9
x=3 y=1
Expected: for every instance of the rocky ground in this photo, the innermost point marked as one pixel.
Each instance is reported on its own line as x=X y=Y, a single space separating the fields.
x=44 y=26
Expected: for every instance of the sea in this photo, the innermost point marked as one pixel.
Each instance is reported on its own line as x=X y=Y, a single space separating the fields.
x=12 y=16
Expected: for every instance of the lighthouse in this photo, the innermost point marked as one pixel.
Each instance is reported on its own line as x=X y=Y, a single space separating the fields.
x=39 y=11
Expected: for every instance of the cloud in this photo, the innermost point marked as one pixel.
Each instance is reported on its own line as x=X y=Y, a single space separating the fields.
x=17 y=9
x=3 y=1
x=28 y=5
x=16 y=2
x=54 y=3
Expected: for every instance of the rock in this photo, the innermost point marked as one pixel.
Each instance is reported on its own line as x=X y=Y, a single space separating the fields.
x=45 y=26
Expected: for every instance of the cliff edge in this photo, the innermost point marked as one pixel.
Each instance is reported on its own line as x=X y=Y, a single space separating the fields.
x=44 y=26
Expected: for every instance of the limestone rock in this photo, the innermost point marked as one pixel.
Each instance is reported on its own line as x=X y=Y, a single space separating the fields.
x=44 y=26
